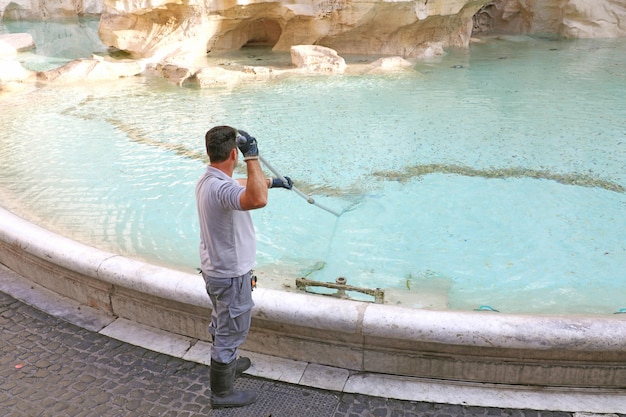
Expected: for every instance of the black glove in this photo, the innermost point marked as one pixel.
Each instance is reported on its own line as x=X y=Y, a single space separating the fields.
x=277 y=182
x=247 y=145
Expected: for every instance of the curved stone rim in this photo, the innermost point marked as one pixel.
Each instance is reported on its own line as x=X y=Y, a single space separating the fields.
x=476 y=346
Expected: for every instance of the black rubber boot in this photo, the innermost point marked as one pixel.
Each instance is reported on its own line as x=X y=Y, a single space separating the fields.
x=241 y=365
x=222 y=393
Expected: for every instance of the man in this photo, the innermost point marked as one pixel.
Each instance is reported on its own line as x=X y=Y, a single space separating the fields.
x=227 y=252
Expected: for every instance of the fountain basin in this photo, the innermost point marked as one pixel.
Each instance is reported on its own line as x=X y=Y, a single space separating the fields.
x=474 y=346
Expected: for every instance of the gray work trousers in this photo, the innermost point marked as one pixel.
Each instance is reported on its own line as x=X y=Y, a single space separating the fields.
x=231 y=315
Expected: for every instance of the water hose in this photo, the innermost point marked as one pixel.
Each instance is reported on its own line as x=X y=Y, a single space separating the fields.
x=308 y=198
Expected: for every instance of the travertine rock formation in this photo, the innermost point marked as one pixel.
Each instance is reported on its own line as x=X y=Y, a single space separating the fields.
x=161 y=28
x=165 y=28
x=157 y=28
x=92 y=69
x=12 y=43
x=48 y=9
x=315 y=58
x=568 y=18
x=12 y=72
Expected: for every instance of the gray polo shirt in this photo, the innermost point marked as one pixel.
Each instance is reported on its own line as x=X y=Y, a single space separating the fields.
x=227 y=238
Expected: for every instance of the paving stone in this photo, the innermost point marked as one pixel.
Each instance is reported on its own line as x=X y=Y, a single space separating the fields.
x=68 y=371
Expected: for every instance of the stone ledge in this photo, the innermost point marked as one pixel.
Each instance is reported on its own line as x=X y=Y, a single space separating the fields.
x=319 y=376
x=486 y=347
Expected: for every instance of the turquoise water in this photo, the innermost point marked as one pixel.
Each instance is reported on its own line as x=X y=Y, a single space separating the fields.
x=492 y=177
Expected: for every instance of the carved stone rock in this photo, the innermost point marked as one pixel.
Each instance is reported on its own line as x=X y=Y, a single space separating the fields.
x=93 y=69
x=317 y=59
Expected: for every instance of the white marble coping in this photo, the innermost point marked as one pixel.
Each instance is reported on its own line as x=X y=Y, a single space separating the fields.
x=496 y=330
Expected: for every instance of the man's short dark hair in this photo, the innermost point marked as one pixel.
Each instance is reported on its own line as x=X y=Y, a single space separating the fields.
x=219 y=141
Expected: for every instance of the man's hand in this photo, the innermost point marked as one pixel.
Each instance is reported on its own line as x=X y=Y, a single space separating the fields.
x=247 y=145
x=277 y=182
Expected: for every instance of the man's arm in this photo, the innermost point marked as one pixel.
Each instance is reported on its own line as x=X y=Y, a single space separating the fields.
x=244 y=181
x=255 y=194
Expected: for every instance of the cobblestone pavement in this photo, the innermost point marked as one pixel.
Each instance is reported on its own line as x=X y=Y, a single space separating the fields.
x=51 y=368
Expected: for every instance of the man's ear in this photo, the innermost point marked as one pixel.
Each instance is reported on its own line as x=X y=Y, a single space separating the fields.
x=234 y=153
